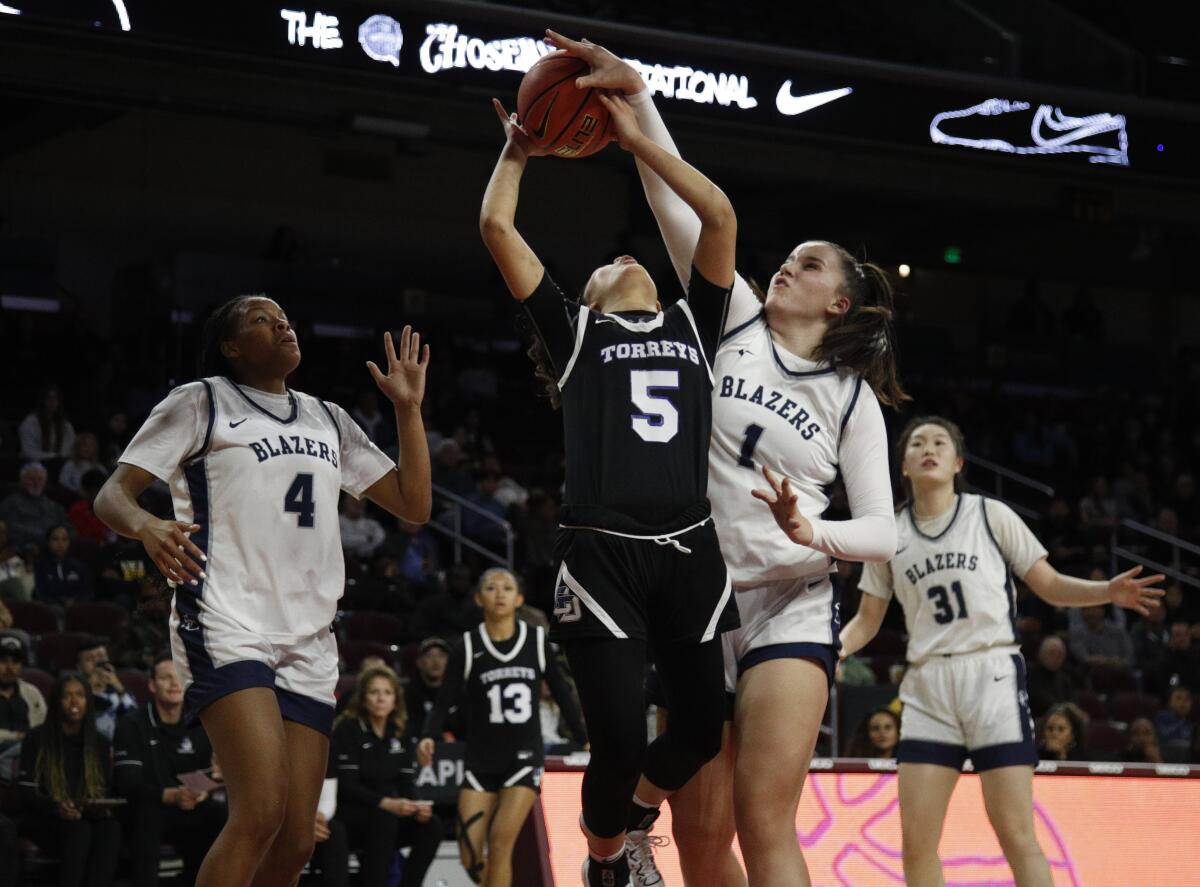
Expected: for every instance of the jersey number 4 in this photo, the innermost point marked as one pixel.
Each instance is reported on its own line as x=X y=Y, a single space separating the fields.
x=299 y=500
x=518 y=712
x=658 y=420
x=944 y=612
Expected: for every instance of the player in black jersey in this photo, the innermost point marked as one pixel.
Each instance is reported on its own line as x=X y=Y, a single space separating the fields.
x=495 y=673
x=640 y=567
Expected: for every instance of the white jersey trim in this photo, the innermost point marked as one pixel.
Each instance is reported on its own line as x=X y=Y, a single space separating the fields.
x=711 y=630
x=691 y=318
x=662 y=539
x=517 y=777
x=470 y=777
x=468 y=653
x=564 y=576
x=522 y=632
x=540 y=637
x=580 y=328
x=638 y=326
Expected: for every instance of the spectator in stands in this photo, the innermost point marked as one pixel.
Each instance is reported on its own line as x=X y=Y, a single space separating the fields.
x=375 y=766
x=417 y=551
x=475 y=524
x=1181 y=664
x=361 y=534
x=422 y=691
x=1143 y=744
x=65 y=776
x=28 y=511
x=451 y=610
x=379 y=428
x=1098 y=509
x=1097 y=641
x=116 y=437
x=47 y=433
x=136 y=643
x=22 y=706
x=508 y=492
x=448 y=469
x=87 y=526
x=876 y=735
x=1186 y=505
x=110 y=700
x=1048 y=684
x=1063 y=734
x=59 y=578
x=1135 y=499
x=1174 y=727
x=1179 y=607
x=84 y=458
x=1149 y=636
x=152 y=747
x=128 y=567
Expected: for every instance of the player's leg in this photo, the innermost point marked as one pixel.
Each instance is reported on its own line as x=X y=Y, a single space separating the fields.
x=925 y=791
x=779 y=709
x=247 y=733
x=1008 y=797
x=512 y=810
x=307 y=752
x=475 y=810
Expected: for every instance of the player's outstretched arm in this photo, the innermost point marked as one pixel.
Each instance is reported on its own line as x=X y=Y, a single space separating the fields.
x=864 y=626
x=518 y=265
x=717 y=243
x=1125 y=589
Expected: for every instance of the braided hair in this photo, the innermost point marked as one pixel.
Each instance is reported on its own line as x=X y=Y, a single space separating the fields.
x=218 y=329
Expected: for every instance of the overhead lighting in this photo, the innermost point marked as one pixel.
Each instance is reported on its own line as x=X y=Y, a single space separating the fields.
x=904 y=270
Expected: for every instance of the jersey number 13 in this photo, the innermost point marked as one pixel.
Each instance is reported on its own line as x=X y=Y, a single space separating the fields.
x=510 y=703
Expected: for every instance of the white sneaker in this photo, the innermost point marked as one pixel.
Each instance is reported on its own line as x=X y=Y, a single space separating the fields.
x=639 y=850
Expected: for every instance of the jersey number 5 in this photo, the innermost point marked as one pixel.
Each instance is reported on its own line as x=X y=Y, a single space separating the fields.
x=658 y=420
x=941 y=600
x=518 y=713
x=299 y=500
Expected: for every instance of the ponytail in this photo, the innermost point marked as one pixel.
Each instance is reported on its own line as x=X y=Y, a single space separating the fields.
x=218 y=329
x=543 y=371
x=864 y=339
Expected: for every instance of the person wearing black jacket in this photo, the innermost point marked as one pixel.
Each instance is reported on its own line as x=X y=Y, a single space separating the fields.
x=375 y=768
x=66 y=766
x=152 y=747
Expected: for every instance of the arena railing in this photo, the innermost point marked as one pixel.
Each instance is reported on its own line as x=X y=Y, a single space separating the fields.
x=1000 y=474
x=1174 y=570
x=452 y=506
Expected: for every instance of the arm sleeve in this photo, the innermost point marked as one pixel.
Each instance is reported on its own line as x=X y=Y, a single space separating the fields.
x=708 y=303
x=870 y=534
x=130 y=756
x=347 y=754
x=877 y=579
x=448 y=693
x=361 y=462
x=564 y=695
x=1020 y=548
x=678 y=222
x=174 y=430
x=553 y=322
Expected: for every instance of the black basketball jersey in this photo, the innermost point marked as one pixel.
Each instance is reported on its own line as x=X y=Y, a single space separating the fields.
x=502 y=690
x=636 y=394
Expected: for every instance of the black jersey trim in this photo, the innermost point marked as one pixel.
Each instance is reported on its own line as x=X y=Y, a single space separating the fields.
x=522 y=635
x=794 y=374
x=849 y=410
x=958 y=501
x=295 y=401
x=691 y=319
x=212 y=420
x=741 y=326
x=581 y=323
x=336 y=427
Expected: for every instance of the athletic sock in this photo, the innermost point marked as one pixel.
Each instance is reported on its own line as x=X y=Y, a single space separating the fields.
x=641 y=815
x=607 y=860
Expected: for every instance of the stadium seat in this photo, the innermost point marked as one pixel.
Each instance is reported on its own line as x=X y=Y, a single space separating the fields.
x=345 y=685
x=1105 y=740
x=59 y=650
x=1092 y=705
x=99 y=618
x=888 y=642
x=1106 y=679
x=33 y=616
x=353 y=652
x=371 y=626
x=43 y=680
x=1128 y=707
x=137 y=683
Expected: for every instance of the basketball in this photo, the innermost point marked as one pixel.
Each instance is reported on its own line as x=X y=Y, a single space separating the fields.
x=557 y=115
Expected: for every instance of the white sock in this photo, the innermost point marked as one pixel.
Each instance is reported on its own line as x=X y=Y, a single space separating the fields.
x=607 y=859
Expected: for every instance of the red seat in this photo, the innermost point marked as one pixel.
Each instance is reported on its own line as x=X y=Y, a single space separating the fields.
x=59 y=650
x=99 y=617
x=43 y=680
x=1107 y=679
x=353 y=652
x=1092 y=704
x=137 y=683
x=887 y=642
x=33 y=616
x=367 y=625
x=1105 y=740
x=345 y=685
x=1129 y=707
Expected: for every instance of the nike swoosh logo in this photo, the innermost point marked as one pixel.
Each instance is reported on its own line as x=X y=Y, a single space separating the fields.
x=999 y=677
x=237 y=423
x=539 y=132
x=790 y=105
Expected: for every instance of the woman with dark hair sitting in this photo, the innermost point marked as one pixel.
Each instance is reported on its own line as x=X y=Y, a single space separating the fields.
x=66 y=767
x=374 y=764
x=1063 y=734
x=877 y=735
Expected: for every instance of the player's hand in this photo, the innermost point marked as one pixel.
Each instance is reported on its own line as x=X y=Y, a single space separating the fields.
x=782 y=501
x=188 y=799
x=67 y=810
x=167 y=543
x=514 y=133
x=424 y=813
x=321 y=831
x=608 y=71
x=625 y=123
x=425 y=752
x=404 y=382
x=1126 y=590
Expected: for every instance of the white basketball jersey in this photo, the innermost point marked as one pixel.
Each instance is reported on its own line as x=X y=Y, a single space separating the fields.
x=956 y=587
x=263 y=486
x=791 y=421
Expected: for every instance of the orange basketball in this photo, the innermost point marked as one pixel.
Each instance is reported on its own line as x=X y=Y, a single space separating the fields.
x=557 y=115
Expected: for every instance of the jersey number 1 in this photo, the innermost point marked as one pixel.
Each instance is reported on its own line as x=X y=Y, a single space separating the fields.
x=299 y=500
x=941 y=600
